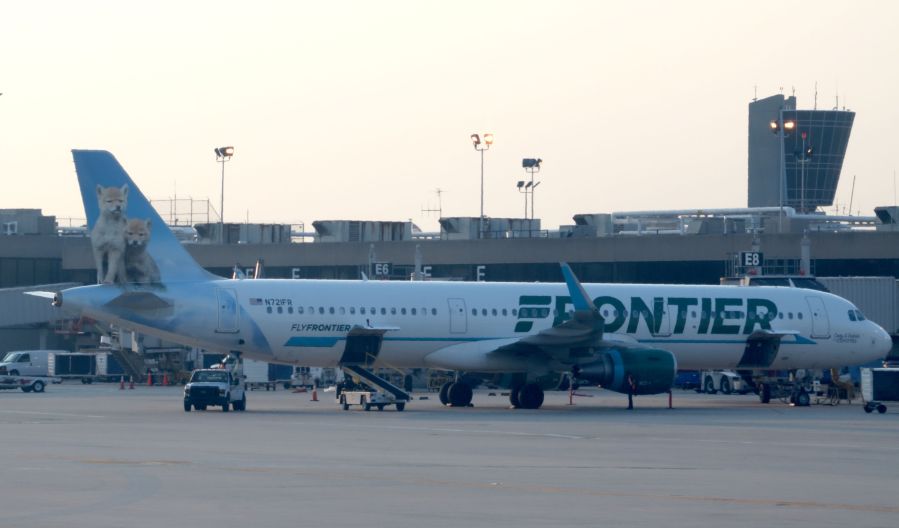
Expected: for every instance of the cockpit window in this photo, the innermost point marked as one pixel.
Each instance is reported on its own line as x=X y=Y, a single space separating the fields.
x=858 y=313
x=852 y=315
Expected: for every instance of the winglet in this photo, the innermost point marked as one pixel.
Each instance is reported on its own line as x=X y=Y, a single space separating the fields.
x=579 y=297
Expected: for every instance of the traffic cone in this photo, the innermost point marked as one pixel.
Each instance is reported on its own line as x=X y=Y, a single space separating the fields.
x=122 y=383
x=165 y=379
x=314 y=393
x=131 y=385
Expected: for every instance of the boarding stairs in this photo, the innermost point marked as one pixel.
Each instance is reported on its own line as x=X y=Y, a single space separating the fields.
x=374 y=380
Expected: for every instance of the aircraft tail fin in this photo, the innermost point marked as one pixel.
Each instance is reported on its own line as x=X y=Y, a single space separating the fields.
x=130 y=241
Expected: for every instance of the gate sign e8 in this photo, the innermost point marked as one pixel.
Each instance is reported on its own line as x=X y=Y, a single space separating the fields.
x=752 y=259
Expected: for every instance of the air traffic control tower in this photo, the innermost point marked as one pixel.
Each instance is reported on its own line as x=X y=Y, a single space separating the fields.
x=805 y=172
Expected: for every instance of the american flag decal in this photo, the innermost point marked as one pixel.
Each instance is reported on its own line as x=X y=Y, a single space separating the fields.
x=255 y=301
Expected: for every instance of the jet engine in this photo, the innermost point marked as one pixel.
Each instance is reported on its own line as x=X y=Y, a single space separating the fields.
x=653 y=370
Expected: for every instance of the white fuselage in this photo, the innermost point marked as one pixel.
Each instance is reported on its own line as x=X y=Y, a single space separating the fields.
x=306 y=322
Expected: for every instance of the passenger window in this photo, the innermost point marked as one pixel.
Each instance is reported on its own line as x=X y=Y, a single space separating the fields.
x=393 y=311
x=474 y=311
x=514 y=312
x=383 y=311
x=484 y=312
x=414 y=312
x=493 y=312
x=780 y=315
x=268 y=309
x=402 y=311
x=424 y=311
x=321 y=310
x=290 y=309
x=693 y=314
x=790 y=315
x=299 y=309
x=433 y=311
x=362 y=310
x=342 y=310
x=311 y=310
x=505 y=312
x=799 y=315
x=372 y=311
x=280 y=310
x=352 y=310
x=331 y=310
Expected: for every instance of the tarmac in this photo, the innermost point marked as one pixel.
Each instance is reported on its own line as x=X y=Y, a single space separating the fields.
x=93 y=455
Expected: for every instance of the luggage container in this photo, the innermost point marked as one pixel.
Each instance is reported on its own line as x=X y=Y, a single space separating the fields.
x=879 y=385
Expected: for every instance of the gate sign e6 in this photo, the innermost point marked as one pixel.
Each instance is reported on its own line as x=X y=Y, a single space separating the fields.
x=752 y=259
x=382 y=269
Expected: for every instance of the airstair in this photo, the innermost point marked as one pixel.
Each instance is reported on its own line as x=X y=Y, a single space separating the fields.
x=374 y=380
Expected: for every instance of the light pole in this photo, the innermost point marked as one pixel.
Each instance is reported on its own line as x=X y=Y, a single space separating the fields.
x=531 y=166
x=222 y=155
x=481 y=146
x=782 y=129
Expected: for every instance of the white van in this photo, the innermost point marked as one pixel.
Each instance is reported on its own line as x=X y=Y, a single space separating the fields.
x=26 y=362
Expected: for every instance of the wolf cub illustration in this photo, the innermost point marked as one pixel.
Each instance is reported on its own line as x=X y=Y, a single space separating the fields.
x=108 y=235
x=140 y=267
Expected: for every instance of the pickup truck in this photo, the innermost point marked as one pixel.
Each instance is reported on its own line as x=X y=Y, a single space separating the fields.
x=216 y=387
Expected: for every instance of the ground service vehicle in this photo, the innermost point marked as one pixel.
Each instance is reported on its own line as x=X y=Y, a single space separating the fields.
x=216 y=387
x=369 y=399
x=26 y=362
x=27 y=384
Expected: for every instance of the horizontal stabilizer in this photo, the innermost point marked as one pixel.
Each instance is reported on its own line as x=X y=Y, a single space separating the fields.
x=139 y=301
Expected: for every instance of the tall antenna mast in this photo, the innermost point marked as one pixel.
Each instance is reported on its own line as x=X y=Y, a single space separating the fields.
x=439 y=209
x=816 y=95
x=852 y=195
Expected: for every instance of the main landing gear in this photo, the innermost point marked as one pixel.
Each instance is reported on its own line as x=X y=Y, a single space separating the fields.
x=459 y=394
x=456 y=394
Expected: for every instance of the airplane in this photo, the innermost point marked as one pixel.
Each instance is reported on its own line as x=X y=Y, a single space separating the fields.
x=628 y=338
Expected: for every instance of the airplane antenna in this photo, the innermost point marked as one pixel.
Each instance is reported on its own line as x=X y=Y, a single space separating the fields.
x=816 y=95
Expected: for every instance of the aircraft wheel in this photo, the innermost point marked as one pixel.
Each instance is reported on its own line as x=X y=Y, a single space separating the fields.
x=513 y=396
x=709 y=385
x=802 y=399
x=725 y=386
x=444 y=392
x=764 y=393
x=881 y=408
x=531 y=396
x=460 y=394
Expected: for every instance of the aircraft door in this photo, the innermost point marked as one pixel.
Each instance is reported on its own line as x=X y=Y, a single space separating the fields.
x=458 y=316
x=228 y=318
x=820 y=321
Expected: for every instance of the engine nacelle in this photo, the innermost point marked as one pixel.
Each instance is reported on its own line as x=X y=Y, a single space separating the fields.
x=653 y=370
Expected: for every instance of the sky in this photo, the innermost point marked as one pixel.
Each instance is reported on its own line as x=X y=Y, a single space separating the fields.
x=361 y=110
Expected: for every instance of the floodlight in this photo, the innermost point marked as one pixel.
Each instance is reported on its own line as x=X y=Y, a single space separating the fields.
x=476 y=140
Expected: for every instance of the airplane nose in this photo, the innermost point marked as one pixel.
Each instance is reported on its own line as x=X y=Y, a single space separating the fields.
x=883 y=342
